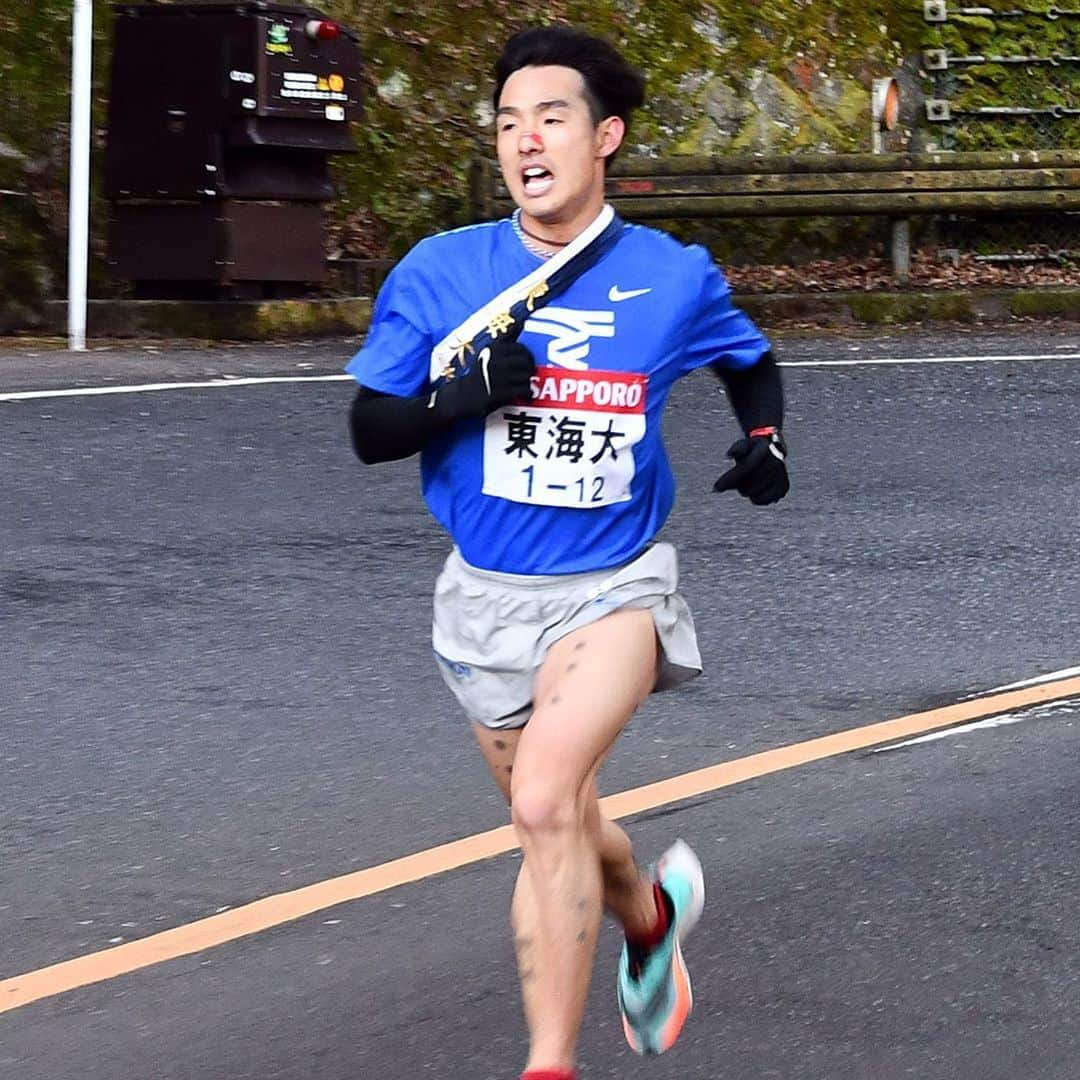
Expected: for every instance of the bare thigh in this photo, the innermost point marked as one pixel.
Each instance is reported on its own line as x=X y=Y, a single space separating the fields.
x=588 y=687
x=498 y=749
x=578 y=671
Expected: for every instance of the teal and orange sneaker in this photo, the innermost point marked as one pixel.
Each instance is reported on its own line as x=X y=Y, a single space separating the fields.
x=655 y=996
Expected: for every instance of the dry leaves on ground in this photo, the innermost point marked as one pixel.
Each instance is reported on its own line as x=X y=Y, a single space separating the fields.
x=931 y=269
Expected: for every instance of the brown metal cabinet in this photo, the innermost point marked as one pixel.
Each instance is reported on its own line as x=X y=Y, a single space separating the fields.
x=221 y=120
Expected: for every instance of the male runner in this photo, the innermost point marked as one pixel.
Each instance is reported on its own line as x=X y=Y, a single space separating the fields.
x=528 y=361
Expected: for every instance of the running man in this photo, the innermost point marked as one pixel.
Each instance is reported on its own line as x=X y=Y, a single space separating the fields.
x=528 y=361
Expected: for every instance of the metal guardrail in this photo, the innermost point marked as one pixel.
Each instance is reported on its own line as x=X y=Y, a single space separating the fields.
x=838 y=184
x=940 y=60
x=938 y=11
x=896 y=186
x=1039 y=109
x=1006 y=75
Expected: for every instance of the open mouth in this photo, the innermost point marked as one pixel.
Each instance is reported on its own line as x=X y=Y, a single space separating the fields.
x=536 y=180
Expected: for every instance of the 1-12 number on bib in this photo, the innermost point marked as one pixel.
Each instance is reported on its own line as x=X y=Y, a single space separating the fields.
x=572 y=445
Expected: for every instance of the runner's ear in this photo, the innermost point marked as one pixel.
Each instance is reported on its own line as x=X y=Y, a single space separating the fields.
x=609 y=135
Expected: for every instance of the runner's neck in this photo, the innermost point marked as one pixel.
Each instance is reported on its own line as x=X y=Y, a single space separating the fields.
x=537 y=245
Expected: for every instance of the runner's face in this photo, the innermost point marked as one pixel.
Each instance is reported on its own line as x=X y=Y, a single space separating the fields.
x=550 y=151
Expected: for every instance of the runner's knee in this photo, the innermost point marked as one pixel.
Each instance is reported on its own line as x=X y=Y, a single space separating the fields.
x=539 y=807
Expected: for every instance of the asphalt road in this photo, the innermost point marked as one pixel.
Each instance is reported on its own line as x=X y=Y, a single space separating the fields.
x=217 y=685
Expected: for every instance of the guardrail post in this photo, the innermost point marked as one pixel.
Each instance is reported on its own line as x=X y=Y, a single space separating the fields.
x=482 y=189
x=900 y=249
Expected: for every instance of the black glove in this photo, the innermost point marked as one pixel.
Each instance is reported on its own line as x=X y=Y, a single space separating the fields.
x=500 y=374
x=759 y=471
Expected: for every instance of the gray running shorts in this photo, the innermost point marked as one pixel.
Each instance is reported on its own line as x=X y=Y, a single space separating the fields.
x=492 y=631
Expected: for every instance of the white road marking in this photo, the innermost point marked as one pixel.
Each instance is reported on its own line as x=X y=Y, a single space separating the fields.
x=146 y=388
x=1064 y=673
x=990 y=722
x=884 y=360
x=215 y=384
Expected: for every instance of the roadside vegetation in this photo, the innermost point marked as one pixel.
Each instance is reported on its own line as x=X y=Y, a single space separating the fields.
x=761 y=76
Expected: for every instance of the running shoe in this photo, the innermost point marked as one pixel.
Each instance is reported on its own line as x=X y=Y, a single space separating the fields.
x=655 y=998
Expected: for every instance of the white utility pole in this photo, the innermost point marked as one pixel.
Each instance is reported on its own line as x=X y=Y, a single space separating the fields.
x=82 y=38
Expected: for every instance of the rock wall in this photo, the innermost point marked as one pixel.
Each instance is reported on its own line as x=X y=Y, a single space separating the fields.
x=759 y=76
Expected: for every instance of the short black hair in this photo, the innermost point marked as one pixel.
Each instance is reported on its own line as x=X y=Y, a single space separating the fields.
x=612 y=86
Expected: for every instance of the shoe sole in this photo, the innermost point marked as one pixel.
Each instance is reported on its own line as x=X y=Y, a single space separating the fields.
x=676 y=1021
x=632 y=1039
x=680 y=1012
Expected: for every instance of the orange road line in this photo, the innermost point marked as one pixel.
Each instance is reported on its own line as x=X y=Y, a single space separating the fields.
x=286 y=907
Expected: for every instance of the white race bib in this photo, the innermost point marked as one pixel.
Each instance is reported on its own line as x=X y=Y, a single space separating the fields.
x=572 y=445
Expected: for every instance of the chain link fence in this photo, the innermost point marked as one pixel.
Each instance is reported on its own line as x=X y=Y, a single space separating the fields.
x=1005 y=77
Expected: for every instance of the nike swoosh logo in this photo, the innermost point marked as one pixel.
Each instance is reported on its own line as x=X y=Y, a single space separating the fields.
x=615 y=294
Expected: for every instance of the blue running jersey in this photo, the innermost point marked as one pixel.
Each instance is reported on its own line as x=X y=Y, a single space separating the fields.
x=576 y=479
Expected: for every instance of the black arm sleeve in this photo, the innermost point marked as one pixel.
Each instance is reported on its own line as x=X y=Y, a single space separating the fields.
x=756 y=393
x=387 y=428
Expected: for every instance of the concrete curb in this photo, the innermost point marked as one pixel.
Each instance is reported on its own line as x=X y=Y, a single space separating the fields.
x=224 y=320
x=275 y=320
x=903 y=307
